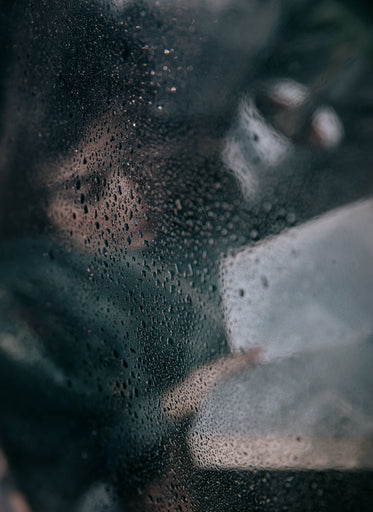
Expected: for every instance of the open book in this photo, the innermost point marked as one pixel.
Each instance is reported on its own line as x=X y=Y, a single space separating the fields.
x=305 y=297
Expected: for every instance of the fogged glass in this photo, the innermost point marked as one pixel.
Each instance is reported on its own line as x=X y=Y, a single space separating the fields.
x=186 y=278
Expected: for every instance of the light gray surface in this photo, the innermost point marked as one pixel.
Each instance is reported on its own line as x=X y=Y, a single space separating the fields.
x=307 y=288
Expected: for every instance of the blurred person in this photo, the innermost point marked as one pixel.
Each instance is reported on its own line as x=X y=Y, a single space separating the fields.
x=118 y=205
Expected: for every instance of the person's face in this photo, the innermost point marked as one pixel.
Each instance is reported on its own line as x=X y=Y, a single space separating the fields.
x=93 y=199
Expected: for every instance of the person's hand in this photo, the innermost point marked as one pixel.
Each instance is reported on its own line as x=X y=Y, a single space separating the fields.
x=186 y=398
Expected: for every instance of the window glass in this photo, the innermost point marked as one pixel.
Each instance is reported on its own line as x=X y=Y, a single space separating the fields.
x=186 y=284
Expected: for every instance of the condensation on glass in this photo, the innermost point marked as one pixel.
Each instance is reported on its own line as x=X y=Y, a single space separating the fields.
x=186 y=278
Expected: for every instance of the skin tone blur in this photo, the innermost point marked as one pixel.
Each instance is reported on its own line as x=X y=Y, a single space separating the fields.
x=93 y=199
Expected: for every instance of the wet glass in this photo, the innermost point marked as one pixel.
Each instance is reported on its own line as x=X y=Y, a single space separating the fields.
x=186 y=286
